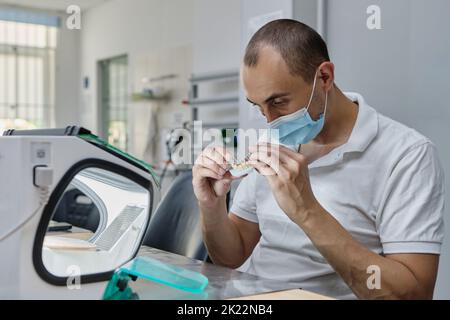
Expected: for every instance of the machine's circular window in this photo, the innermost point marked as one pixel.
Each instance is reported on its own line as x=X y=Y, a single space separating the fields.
x=95 y=223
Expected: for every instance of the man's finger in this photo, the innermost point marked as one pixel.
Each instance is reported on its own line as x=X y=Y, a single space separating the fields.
x=262 y=168
x=208 y=173
x=229 y=176
x=211 y=164
x=284 y=154
x=224 y=153
x=216 y=156
x=270 y=160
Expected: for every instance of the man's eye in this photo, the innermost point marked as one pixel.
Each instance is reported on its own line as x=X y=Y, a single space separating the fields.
x=277 y=103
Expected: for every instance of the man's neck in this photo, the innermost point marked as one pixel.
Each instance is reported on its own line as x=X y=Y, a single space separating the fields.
x=339 y=120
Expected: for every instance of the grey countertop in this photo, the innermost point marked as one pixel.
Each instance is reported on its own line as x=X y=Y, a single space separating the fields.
x=224 y=283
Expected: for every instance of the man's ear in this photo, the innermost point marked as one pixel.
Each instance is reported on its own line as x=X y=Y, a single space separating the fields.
x=326 y=75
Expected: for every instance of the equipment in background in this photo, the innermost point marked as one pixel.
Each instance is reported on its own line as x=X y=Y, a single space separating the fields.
x=174 y=141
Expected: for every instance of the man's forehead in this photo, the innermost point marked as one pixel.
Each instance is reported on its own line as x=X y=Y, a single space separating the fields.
x=269 y=76
x=260 y=83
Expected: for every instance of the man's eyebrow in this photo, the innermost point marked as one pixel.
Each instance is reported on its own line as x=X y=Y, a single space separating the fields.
x=272 y=97
x=275 y=96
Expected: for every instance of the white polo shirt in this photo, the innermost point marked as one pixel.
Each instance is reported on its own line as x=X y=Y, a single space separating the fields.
x=385 y=186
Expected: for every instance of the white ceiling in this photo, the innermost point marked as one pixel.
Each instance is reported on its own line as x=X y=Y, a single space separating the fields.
x=59 y=5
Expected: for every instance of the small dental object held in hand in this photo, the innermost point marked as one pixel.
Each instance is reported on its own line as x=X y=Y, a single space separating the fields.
x=241 y=168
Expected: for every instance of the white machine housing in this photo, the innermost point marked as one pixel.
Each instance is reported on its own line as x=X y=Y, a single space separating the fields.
x=21 y=210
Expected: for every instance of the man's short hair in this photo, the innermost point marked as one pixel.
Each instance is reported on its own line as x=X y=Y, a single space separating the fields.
x=300 y=46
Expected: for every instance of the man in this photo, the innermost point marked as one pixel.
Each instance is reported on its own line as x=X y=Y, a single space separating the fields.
x=362 y=200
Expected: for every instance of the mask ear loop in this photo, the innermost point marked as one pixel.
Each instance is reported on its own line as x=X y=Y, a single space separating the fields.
x=312 y=94
x=326 y=105
x=313 y=90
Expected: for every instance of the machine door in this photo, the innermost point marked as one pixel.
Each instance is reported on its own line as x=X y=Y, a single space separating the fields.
x=93 y=223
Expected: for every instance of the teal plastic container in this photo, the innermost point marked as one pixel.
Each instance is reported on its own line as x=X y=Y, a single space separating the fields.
x=153 y=270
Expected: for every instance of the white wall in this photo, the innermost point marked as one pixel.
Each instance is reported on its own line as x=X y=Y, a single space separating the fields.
x=67 y=74
x=402 y=70
x=151 y=121
x=216 y=48
x=306 y=12
x=216 y=41
x=121 y=27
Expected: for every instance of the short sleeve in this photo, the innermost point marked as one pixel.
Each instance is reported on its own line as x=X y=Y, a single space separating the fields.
x=410 y=217
x=244 y=201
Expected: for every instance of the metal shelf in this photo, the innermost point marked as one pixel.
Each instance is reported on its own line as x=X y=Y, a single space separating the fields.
x=195 y=102
x=220 y=124
x=224 y=100
x=225 y=75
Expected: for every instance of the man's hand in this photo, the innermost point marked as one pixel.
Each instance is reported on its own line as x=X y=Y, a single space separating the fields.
x=288 y=177
x=211 y=179
x=229 y=239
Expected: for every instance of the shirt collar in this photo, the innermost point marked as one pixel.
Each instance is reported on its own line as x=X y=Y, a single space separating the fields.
x=363 y=133
x=366 y=126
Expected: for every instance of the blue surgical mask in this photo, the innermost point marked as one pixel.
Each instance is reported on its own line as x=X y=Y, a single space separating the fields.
x=299 y=128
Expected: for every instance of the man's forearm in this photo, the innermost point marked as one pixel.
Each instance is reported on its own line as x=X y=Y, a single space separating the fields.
x=350 y=259
x=221 y=236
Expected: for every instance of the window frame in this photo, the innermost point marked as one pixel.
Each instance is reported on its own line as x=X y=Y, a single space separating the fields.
x=32 y=109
